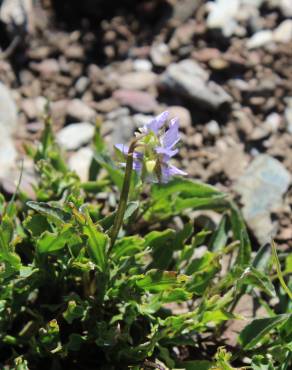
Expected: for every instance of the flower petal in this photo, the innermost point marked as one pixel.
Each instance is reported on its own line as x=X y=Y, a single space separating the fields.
x=122 y=148
x=168 y=152
x=175 y=171
x=171 y=136
x=157 y=122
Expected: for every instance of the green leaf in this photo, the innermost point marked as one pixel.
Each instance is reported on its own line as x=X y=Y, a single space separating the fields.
x=257 y=279
x=6 y=250
x=36 y=224
x=52 y=242
x=97 y=243
x=127 y=246
x=258 y=328
x=189 y=188
x=116 y=175
x=73 y=311
x=55 y=213
x=195 y=365
x=240 y=233
x=220 y=236
x=156 y=281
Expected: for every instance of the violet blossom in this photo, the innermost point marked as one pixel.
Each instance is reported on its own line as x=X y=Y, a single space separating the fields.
x=155 y=148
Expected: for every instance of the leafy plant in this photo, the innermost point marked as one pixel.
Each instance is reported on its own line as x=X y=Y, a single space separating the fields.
x=88 y=285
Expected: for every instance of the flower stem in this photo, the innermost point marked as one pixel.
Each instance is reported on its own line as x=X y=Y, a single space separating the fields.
x=124 y=195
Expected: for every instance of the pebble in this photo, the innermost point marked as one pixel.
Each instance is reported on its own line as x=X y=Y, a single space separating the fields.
x=286 y=7
x=273 y=121
x=17 y=13
x=137 y=100
x=283 y=33
x=142 y=119
x=261 y=187
x=213 y=128
x=142 y=65
x=8 y=112
x=259 y=39
x=160 y=54
x=82 y=84
x=137 y=80
x=80 y=162
x=222 y=16
x=47 y=68
x=189 y=79
x=183 y=115
x=80 y=111
x=288 y=119
x=8 y=155
x=73 y=136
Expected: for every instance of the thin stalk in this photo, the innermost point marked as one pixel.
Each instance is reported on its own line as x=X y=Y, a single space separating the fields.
x=124 y=195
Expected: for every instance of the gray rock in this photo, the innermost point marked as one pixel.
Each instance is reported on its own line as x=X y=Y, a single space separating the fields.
x=213 y=128
x=190 y=80
x=8 y=156
x=184 y=9
x=262 y=187
x=184 y=116
x=75 y=135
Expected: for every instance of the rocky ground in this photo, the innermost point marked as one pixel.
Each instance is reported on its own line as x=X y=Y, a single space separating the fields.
x=224 y=68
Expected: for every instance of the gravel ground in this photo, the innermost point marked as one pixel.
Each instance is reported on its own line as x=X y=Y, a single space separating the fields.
x=225 y=69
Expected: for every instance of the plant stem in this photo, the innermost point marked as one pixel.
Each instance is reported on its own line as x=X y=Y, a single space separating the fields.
x=124 y=195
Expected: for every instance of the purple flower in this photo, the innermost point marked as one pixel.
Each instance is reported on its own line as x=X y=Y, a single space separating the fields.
x=158 y=146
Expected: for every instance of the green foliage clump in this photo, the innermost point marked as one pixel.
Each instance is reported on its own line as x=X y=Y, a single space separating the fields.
x=70 y=299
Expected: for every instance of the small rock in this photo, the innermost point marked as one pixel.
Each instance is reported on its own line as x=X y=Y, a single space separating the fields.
x=213 y=128
x=183 y=115
x=260 y=39
x=137 y=100
x=142 y=65
x=34 y=107
x=222 y=15
x=183 y=35
x=190 y=80
x=80 y=111
x=272 y=122
x=106 y=105
x=47 y=68
x=288 y=118
x=75 y=135
x=160 y=54
x=17 y=13
x=286 y=7
x=184 y=9
x=283 y=33
x=137 y=80
x=8 y=112
x=262 y=186
x=80 y=162
x=8 y=156
x=81 y=84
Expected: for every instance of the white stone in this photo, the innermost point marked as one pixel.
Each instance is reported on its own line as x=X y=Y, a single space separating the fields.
x=260 y=39
x=80 y=162
x=160 y=54
x=283 y=33
x=286 y=7
x=222 y=15
x=8 y=156
x=213 y=128
x=142 y=65
x=18 y=12
x=73 y=136
x=8 y=112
